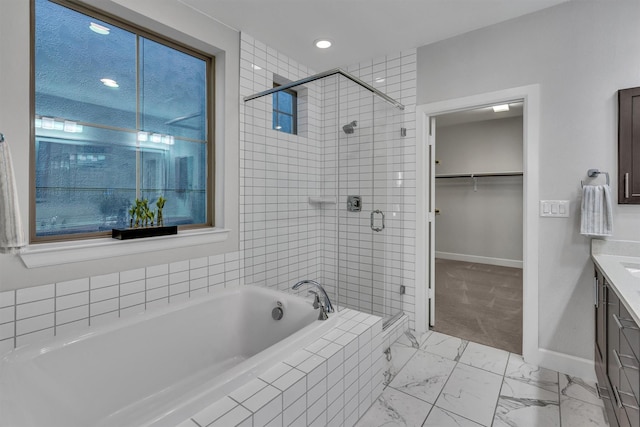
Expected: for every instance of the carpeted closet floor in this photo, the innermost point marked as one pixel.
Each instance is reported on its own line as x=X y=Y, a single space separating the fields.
x=480 y=303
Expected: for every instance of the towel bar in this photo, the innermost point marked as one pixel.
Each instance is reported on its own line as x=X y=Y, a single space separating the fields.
x=592 y=173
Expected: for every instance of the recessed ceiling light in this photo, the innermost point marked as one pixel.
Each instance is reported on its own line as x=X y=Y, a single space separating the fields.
x=322 y=43
x=110 y=82
x=99 y=29
x=500 y=108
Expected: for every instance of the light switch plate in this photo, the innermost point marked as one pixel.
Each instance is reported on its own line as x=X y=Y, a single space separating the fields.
x=554 y=208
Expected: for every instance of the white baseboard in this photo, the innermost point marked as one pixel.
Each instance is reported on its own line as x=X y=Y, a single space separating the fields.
x=480 y=259
x=564 y=364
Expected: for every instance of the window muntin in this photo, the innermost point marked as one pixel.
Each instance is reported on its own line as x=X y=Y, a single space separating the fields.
x=97 y=148
x=285 y=114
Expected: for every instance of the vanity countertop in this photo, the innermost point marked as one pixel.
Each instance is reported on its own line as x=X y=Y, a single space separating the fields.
x=619 y=261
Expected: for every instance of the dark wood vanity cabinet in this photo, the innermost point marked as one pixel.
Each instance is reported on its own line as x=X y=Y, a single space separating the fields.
x=629 y=146
x=617 y=356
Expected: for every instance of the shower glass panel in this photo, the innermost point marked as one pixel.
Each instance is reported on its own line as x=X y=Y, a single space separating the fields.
x=295 y=223
x=370 y=163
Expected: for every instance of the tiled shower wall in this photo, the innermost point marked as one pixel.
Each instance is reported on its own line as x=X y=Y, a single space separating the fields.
x=285 y=238
x=280 y=231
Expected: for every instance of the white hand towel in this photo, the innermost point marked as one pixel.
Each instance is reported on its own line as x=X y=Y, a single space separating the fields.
x=597 y=211
x=11 y=233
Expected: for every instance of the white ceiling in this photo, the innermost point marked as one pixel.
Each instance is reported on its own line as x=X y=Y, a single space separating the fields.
x=359 y=29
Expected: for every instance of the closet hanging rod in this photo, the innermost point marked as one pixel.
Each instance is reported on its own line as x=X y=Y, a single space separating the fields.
x=479 y=175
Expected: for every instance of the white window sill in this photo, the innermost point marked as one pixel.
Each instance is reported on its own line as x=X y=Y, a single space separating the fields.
x=48 y=254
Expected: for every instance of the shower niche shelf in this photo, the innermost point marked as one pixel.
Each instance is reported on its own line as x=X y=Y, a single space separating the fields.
x=322 y=200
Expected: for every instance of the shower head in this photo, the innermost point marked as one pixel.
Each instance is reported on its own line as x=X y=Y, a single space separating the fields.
x=348 y=128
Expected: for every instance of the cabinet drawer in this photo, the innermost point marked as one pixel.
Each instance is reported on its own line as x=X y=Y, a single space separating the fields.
x=630 y=330
x=609 y=404
x=630 y=367
x=613 y=339
x=628 y=403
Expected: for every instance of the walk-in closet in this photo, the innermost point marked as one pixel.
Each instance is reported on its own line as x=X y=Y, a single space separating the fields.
x=478 y=225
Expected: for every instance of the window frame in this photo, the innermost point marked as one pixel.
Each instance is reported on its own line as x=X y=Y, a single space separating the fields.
x=294 y=115
x=153 y=36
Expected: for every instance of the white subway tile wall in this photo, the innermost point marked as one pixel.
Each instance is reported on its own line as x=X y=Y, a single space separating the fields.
x=283 y=237
x=32 y=314
x=314 y=386
x=280 y=232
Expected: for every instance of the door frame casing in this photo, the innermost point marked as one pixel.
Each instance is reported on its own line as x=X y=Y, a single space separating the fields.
x=530 y=222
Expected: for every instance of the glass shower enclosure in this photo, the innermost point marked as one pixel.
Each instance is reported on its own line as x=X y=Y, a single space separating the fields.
x=326 y=202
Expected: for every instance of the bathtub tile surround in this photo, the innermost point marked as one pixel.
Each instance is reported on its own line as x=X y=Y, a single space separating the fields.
x=32 y=314
x=332 y=381
x=482 y=386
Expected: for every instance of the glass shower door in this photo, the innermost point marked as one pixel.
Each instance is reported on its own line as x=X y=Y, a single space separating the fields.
x=370 y=164
x=387 y=215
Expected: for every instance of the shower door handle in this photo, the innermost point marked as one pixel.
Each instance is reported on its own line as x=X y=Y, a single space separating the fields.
x=373 y=227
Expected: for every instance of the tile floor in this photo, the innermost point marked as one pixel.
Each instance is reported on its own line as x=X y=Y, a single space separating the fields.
x=441 y=381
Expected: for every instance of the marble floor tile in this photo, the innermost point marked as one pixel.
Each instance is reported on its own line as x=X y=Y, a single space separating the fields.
x=424 y=376
x=518 y=369
x=445 y=346
x=400 y=355
x=394 y=408
x=518 y=412
x=529 y=391
x=441 y=418
x=484 y=357
x=578 y=388
x=412 y=339
x=452 y=383
x=472 y=393
x=577 y=413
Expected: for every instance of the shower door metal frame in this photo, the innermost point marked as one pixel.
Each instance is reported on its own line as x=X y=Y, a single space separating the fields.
x=321 y=76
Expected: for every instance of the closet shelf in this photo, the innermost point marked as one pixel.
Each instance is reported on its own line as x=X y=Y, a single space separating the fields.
x=478 y=175
x=322 y=200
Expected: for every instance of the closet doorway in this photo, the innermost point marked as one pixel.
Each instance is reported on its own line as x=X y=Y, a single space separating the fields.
x=478 y=225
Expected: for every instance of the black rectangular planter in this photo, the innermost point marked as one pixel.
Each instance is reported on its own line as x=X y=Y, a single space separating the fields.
x=136 y=233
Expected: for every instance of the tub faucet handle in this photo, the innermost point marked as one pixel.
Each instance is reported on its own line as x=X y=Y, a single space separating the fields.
x=319 y=304
x=321 y=299
x=316 y=299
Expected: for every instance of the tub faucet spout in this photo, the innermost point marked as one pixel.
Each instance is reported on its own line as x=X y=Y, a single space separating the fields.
x=321 y=301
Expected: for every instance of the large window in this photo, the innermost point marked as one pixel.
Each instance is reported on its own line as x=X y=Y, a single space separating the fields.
x=119 y=114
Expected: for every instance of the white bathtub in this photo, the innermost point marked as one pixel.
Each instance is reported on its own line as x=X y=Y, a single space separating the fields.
x=158 y=368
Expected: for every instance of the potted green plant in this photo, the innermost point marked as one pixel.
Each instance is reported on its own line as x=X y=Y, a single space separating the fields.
x=160 y=204
x=142 y=219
